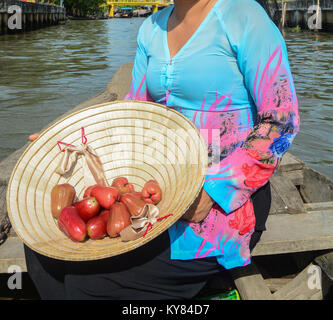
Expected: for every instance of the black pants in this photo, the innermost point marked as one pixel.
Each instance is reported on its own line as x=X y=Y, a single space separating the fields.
x=144 y=273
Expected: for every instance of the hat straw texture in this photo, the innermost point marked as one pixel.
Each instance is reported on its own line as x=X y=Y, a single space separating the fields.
x=135 y=139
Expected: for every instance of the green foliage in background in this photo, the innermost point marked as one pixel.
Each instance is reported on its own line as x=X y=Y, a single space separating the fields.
x=83 y=7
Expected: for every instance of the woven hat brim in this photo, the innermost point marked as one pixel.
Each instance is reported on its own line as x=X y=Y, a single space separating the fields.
x=116 y=130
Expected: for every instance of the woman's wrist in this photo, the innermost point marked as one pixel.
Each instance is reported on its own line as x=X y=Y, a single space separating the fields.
x=200 y=208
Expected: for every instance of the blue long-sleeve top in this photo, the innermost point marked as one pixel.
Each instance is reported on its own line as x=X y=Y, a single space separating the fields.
x=232 y=79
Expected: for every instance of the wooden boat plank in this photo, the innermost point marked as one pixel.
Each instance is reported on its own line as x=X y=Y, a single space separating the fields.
x=121 y=84
x=12 y=253
x=296 y=177
x=289 y=162
x=325 y=262
x=277 y=204
x=316 y=186
x=275 y=284
x=319 y=206
x=250 y=283
x=299 y=289
x=288 y=233
x=3 y=205
x=290 y=199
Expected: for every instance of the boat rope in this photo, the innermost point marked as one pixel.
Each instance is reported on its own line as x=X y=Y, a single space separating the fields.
x=5 y=226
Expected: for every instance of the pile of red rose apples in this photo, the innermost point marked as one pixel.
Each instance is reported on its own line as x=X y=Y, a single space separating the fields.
x=103 y=211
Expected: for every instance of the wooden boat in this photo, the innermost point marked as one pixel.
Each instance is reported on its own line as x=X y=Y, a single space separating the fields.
x=126 y=13
x=298 y=241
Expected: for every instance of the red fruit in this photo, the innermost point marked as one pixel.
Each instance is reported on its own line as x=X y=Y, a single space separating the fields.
x=137 y=194
x=62 y=195
x=96 y=227
x=87 y=193
x=122 y=185
x=105 y=214
x=87 y=208
x=119 y=219
x=106 y=196
x=151 y=192
x=71 y=224
x=133 y=204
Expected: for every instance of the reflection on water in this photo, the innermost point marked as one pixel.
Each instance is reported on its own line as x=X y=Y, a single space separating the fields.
x=46 y=72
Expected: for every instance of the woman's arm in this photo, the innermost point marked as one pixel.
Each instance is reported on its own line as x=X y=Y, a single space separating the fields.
x=262 y=58
x=200 y=208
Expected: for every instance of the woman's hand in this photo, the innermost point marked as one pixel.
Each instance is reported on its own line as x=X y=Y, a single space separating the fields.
x=200 y=208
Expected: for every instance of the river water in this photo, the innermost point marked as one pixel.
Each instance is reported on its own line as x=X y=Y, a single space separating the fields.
x=46 y=72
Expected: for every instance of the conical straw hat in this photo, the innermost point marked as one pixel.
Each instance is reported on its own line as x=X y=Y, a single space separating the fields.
x=138 y=140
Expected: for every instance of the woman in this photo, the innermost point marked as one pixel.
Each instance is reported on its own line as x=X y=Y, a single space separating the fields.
x=223 y=64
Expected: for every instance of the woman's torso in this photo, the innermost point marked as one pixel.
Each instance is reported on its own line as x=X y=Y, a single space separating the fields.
x=202 y=81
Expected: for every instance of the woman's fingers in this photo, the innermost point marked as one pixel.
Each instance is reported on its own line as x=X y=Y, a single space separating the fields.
x=34 y=136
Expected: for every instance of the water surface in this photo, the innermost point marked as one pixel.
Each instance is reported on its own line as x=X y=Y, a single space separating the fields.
x=46 y=72
x=311 y=60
